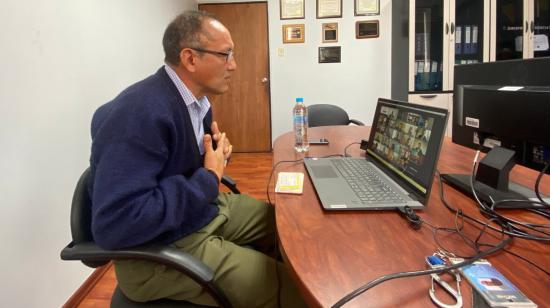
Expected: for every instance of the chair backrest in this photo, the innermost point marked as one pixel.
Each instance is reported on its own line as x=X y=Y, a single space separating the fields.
x=81 y=216
x=81 y=211
x=326 y=114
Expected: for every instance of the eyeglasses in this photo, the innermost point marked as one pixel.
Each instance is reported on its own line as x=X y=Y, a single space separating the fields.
x=228 y=55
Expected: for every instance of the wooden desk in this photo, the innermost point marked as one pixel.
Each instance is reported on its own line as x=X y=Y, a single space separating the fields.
x=333 y=253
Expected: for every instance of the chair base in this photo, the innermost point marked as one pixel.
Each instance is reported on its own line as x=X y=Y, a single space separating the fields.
x=119 y=300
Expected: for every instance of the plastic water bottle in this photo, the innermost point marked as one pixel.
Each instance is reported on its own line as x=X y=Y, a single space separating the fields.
x=299 y=113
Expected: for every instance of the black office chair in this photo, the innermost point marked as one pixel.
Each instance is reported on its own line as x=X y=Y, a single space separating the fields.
x=326 y=114
x=84 y=249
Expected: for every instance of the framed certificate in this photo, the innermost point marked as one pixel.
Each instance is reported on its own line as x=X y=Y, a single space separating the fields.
x=330 y=32
x=367 y=7
x=329 y=8
x=292 y=9
x=330 y=54
x=366 y=29
x=294 y=33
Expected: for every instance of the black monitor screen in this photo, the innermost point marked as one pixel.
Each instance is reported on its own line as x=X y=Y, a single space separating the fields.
x=515 y=117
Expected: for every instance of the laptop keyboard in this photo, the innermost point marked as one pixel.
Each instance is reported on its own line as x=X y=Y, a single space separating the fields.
x=365 y=181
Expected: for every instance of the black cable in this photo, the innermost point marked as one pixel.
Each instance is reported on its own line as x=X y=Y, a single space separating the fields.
x=491 y=210
x=346 y=148
x=495 y=203
x=474 y=244
x=491 y=213
x=541 y=212
x=428 y=223
x=444 y=201
x=537 y=183
x=477 y=244
x=532 y=226
x=524 y=259
x=382 y=279
x=442 y=247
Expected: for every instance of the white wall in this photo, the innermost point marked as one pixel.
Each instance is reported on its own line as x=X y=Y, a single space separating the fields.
x=59 y=60
x=226 y=1
x=355 y=84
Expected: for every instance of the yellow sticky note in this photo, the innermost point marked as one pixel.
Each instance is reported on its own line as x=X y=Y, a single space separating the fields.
x=290 y=183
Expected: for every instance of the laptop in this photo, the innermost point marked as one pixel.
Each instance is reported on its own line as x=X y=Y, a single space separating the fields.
x=403 y=150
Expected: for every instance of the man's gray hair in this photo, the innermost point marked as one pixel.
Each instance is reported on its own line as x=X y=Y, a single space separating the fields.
x=184 y=31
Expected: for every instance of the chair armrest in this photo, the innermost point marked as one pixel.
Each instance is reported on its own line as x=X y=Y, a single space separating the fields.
x=230 y=183
x=166 y=255
x=356 y=122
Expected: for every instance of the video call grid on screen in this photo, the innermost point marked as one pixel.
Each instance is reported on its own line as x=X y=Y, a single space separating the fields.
x=402 y=138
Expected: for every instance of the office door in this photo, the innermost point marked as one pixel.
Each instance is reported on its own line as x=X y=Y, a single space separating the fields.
x=243 y=112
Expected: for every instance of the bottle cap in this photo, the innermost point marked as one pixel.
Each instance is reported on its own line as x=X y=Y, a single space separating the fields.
x=299 y=99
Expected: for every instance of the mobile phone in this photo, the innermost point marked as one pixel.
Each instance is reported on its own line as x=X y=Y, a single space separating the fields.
x=318 y=141
x=493 y=286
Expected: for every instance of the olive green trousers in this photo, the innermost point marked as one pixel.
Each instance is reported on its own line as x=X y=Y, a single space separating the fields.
x=248 y=277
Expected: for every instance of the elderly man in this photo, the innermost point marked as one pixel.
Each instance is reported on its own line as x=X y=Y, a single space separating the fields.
x=155 y=176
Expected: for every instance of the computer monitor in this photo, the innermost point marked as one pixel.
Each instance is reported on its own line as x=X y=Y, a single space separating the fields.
x=512 y=124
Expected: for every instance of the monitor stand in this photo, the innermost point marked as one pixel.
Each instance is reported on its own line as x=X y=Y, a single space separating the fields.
x=492 y=181
x=483 y=191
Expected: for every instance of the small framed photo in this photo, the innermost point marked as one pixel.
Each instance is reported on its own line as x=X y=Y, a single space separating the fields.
x=367 y=7
x=330 y=32
x=366 y=29
x=294 y=33
x=329 y=8
x=292 y=9
x=330 y=54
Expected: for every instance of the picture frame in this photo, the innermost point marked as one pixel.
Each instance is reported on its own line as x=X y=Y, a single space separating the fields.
x=294 y=33
x=332 y=54
x=292 y=9
x=366 y=7
x=330 y=32
x=367 y=29
x=329 y=9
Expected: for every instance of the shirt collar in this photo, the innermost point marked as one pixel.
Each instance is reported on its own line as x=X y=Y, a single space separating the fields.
x=185 y=93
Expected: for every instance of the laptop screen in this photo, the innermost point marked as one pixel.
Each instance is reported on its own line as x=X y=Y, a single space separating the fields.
x=406 y=139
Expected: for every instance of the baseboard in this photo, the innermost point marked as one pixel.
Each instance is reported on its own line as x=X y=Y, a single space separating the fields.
x=87 y=286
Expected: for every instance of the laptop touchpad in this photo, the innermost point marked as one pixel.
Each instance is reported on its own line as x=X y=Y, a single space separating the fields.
x=323 y=172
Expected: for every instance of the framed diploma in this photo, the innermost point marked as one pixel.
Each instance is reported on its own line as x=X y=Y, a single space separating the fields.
x=329 y=8
x=367 y=7
x=294 y=33
x=292 y=9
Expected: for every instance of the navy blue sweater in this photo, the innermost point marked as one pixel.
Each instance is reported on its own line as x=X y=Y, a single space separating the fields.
x=147 y=180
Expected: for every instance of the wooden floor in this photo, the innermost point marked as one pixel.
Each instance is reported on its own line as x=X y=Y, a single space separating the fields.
x=250 y=171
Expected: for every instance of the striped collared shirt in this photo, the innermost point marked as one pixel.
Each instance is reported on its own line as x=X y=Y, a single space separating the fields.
x=197 y=107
